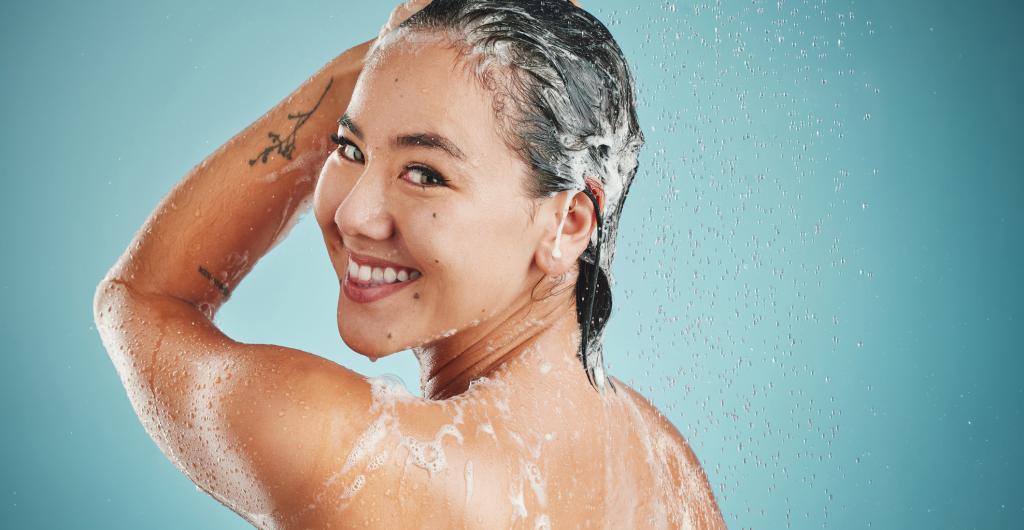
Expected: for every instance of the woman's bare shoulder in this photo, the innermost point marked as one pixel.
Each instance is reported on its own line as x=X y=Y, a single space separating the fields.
x=411 y=455
x=687 y=475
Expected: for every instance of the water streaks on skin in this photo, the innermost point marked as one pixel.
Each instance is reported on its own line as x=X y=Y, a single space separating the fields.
x=380 y=442
x=235 y=479
x=522 y=448
x=385 y=392
x=366 y=443
x=660 y=452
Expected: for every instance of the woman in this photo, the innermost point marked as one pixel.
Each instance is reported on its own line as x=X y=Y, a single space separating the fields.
x=484 y=150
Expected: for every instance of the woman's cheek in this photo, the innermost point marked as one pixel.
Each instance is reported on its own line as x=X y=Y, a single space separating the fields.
x=319 y=192
x=327 y=196
x=318 y=202
x=434 y=237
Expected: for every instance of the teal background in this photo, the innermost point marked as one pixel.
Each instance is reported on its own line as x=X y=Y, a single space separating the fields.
x=817 y=277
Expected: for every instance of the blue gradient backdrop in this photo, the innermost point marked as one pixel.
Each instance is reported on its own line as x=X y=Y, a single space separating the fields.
x=815 y=277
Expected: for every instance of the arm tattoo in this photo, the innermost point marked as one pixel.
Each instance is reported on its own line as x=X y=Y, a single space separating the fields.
x=217 y=283
x=285 y=146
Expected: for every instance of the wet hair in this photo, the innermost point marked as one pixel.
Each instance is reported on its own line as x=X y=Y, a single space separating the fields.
x=564 y=102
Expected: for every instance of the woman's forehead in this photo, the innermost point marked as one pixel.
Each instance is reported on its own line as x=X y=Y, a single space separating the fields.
x=422 y=87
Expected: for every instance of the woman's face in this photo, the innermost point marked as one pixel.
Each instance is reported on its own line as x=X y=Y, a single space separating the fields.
x=414 y=119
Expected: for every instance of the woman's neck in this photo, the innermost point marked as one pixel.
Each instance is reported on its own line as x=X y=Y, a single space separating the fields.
x=547 y=329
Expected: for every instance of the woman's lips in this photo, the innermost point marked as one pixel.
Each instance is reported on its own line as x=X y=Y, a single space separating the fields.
x=364 y=294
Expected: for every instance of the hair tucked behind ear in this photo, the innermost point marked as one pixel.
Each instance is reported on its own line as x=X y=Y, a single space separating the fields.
x=564 y=97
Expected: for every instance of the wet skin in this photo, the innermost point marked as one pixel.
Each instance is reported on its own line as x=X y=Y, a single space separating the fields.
x=510 y=433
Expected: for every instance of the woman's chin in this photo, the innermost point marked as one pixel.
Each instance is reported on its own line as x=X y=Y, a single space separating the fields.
x=371 y=347
x=372 y=357
x=372 y=343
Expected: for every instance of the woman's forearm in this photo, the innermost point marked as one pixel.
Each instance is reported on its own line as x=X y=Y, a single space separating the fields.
x=229 y=210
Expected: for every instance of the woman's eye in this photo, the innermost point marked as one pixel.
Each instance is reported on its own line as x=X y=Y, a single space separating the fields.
x=347 y=149
x=419 y=175
x=424 y=177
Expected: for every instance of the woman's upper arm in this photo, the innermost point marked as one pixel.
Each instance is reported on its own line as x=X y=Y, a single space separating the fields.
x=254 y=425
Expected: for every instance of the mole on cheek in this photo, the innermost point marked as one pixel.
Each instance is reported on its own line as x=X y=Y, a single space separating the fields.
x=435 y=214
x=389 y=335
x=416 y=296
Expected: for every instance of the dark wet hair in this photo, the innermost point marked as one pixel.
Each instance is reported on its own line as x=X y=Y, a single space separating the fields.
x=563 y=96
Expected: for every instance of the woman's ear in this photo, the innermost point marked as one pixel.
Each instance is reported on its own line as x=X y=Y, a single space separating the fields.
x=569 y=221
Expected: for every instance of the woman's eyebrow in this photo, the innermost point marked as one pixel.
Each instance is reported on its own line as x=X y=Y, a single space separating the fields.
x=346 y=121
x=424 y=139
x=430 y=140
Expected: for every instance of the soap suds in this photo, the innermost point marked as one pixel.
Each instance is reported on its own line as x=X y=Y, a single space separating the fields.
x=430 y=454
x=386 y=391
x=489 y=429
x=469 y=481
x=518 y=503
x=537 y=482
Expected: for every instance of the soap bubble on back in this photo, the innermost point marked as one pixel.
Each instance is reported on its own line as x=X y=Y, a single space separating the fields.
x=389 y=388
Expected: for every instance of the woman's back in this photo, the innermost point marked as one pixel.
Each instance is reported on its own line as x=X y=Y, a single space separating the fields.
x=527 y=448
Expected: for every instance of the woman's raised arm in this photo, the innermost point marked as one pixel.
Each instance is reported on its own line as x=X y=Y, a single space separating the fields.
x=228 y=211
x=254 y=425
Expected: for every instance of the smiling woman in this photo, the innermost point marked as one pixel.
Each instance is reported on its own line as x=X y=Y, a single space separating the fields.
x=482 y=157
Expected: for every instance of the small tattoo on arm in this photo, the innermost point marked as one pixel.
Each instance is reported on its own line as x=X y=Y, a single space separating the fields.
x=286 y=146
x=217 y=283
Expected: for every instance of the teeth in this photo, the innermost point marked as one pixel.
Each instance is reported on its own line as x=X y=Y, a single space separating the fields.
x=377 y=275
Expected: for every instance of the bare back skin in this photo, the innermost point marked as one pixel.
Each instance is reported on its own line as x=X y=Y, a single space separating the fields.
x=499 y=457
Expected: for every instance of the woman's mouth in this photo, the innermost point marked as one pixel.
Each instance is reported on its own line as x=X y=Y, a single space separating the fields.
x=365 y=282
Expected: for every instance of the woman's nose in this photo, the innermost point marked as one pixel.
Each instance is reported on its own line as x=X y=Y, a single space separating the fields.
x=364 y=212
